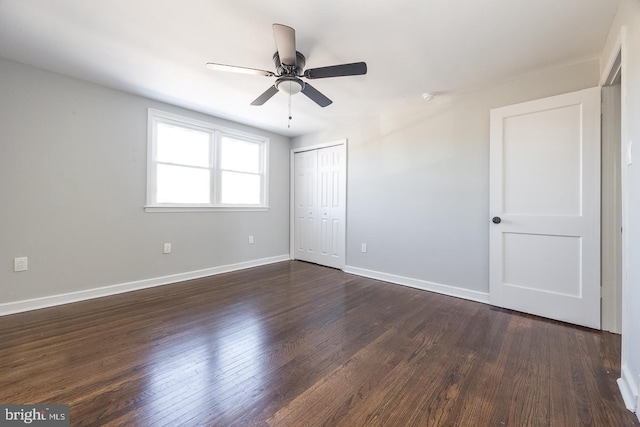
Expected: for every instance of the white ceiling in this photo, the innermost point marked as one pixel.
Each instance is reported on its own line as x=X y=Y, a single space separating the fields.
x=159 y=48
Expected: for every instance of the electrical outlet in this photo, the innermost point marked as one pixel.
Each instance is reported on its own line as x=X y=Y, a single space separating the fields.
x=363 y=248
x=167 y=248
x=21 y=264
x=251 y=240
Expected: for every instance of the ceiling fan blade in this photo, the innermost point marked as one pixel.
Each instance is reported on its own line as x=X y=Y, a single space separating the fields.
x=236 y=69
x=316 y=96
x=265 y=96
x=353 y=69
x=285 y=43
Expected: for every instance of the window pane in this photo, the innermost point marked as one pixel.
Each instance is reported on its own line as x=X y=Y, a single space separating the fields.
x=240 y=188
x=179 y=184
x=182 y=145
x=238 y=155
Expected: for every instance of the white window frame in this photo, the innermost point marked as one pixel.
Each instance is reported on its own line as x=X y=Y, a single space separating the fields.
x=215 y=132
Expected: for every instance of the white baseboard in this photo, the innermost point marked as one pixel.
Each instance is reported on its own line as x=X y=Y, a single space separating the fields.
x=628 y=389
x=53 y=300
x=453 y=291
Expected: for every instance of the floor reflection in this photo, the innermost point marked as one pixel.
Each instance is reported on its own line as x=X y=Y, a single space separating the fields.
x=205 y=374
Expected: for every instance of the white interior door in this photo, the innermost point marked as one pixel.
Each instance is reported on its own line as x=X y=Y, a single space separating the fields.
x=545 y=207
x=320 y=200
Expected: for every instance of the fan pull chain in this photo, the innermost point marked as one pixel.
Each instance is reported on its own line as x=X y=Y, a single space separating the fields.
x=289 y=123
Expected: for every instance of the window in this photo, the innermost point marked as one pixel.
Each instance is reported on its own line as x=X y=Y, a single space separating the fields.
x=195 y=165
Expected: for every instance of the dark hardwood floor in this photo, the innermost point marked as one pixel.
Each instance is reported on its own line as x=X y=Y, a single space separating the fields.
x=294 y=344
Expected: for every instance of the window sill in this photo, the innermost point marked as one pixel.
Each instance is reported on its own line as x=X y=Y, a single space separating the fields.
x=206 y=208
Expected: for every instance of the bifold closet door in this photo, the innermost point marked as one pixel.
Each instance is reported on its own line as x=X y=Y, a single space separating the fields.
x=320 y=197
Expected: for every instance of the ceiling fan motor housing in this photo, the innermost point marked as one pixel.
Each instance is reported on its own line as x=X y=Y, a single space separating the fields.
x=289 y=70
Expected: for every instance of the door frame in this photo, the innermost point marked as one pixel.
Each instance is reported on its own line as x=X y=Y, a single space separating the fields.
x=626 y=383
x=292 y=181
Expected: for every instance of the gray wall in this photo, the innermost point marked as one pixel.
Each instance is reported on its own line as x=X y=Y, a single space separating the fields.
x=73 y=187
x=418 y=180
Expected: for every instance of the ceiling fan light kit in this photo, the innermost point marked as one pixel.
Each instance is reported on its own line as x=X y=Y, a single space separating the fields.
x=289 y=85
x=289 y=65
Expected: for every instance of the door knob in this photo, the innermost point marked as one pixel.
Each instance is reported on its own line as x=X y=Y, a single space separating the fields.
x=496 y=220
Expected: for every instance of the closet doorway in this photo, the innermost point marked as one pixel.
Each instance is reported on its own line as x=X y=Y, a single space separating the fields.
x=318 y=212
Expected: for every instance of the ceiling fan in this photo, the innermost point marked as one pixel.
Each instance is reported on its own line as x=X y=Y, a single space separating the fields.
x=289 y=65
